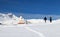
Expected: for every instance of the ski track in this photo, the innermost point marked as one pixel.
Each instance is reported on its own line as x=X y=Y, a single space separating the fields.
x=39 y=33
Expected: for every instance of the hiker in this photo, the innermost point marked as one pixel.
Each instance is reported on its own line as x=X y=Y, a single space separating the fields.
x=45 y=19
x=50 y=19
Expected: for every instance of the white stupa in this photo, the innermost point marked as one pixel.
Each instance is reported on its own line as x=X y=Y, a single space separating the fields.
x=21 y=20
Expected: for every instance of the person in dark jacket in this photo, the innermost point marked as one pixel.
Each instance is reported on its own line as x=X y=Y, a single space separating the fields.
x=50 y=19
x=45 y=19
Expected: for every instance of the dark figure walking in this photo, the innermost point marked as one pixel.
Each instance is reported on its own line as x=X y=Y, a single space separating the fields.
x=45 y=19
x=50 y=19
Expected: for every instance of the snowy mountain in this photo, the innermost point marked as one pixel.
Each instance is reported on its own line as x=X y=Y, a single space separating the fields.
x=32 y=28
x=7 y=18
x=12 y=19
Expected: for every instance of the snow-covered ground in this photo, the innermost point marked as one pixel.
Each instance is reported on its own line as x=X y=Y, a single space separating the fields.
x=9 y=27
x=46 y=30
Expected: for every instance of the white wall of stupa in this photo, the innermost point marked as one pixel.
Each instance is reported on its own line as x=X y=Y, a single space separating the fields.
x=21 y=20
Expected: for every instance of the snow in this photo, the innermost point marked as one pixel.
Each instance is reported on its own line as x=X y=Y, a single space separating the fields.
x=33 y=28
x=51 y=30
x=12 y=19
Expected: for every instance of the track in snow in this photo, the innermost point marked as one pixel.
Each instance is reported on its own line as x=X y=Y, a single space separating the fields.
x=39 y=33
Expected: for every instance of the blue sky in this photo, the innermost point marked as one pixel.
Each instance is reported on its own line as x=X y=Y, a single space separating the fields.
x=46 y=7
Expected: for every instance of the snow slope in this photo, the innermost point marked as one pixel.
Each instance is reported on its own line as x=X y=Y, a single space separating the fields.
x=34 y=28
x=46 y=30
